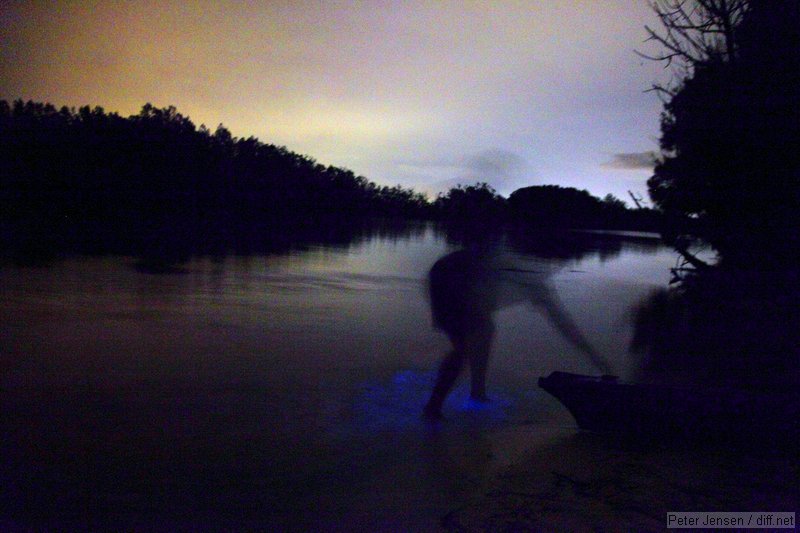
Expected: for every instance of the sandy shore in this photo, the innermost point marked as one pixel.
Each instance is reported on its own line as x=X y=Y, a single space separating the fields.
x=584 y=482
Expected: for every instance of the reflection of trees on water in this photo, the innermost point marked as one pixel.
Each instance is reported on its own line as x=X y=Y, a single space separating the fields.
x=726 y=328
x=549 y=243
x=163 y=247
x=577 y=245
x=563 y=245
x=286 y=237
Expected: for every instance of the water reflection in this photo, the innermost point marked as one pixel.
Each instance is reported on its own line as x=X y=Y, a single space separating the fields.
x=282 y=383
x=165 y=247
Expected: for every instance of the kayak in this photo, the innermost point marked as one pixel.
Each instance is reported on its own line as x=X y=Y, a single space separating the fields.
x=608 y=405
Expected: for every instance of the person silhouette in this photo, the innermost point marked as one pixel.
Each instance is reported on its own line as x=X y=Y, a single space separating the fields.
x=461 y=306
x=465 y=288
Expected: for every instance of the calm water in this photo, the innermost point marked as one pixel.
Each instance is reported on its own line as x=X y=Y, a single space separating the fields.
x=285 y=390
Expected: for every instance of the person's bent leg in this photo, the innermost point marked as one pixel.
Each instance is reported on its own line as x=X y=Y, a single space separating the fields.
x=479 y=345
x=449 y=370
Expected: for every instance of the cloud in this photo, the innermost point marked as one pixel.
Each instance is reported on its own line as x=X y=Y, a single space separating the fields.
x=496 y=166
x=632 y=161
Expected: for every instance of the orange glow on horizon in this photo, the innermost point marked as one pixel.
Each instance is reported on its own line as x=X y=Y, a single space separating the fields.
x=357 y=85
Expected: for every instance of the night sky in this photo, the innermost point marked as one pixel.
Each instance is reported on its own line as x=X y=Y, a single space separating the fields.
x=424 y=94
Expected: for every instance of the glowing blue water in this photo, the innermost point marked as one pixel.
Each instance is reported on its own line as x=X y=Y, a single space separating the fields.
x=394 y=405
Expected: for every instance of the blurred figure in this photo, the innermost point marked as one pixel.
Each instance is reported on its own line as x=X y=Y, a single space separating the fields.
x=461 y=305
x=465 y=288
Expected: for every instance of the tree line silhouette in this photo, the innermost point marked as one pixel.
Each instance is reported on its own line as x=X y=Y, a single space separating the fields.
x=552 y=206
x=96 y=181
x=153 y=183
x=729 y=175
x=730 y=131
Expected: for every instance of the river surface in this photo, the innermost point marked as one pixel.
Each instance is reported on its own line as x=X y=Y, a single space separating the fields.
x=285 y=391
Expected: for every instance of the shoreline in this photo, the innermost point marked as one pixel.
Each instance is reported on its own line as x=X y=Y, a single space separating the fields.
x=585 y=480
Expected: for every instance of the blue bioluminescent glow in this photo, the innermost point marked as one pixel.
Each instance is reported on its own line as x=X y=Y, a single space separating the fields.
x=395 y=404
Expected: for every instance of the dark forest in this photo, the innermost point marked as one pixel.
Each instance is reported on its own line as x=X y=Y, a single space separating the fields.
x=154 y=184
